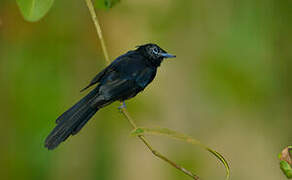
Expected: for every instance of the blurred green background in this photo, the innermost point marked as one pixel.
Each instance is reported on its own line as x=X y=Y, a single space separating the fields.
x=230 y=87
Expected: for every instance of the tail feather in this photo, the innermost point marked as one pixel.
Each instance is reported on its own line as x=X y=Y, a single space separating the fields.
x=85 y=120
x=72 y=121
x=78 y=105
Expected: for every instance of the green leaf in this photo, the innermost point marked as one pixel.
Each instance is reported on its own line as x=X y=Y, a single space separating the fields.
x=286 y=168
x=34 y=10
x=179 y=136
x=105 y=4
x=286 y=161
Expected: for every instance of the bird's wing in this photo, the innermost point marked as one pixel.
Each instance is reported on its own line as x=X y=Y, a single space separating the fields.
x=145 y=77
x=97 y=78
x=117 y=86
x=116 y=89
x=123 y=87
x=108 y=69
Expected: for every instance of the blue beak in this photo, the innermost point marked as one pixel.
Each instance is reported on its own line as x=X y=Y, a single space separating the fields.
x=166 y=55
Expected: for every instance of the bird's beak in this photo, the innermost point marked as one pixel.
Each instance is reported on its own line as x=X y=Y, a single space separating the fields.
x=166 y=55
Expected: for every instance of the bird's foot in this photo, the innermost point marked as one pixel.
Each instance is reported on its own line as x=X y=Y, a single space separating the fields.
x=123 y=106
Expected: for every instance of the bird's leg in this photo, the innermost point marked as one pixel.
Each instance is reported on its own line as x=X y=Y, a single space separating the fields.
x=122 y=106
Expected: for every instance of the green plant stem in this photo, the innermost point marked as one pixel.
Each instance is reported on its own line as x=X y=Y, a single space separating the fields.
x=153 y=151
x=98 y=29
x=124 y=110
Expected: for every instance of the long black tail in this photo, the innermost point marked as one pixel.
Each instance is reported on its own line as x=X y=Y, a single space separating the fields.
x=71 y=121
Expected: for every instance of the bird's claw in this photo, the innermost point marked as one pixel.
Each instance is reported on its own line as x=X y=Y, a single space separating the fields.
x=123 y=106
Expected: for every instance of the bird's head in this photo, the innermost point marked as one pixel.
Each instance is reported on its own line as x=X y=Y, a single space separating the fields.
x=154 y=53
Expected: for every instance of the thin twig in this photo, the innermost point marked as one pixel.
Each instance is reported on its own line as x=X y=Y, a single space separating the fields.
x=98 y=29
x=123 y=109
x=154 y=152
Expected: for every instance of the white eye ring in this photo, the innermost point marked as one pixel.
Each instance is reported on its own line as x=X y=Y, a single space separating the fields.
x=155 y=50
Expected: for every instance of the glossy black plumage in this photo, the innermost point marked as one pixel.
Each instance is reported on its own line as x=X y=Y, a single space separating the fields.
x=123 y=79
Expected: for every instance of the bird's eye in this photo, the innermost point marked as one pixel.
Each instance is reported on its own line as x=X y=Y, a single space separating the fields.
x=155 y=50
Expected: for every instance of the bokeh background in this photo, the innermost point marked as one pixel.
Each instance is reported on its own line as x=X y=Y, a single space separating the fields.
x=229 y=87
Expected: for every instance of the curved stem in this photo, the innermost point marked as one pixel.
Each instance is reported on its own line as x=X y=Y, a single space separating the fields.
x=123 y=109
x=155 y=152
x=98 y=29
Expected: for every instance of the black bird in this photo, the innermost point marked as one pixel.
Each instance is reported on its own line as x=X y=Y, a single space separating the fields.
x=123 y=79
